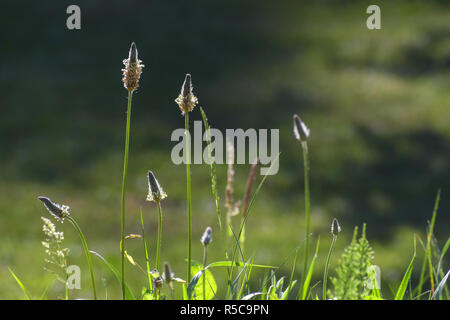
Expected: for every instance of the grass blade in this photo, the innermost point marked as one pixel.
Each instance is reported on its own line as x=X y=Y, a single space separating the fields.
x=147 y=260
x=310 y=272
x=128 y=292
x=213 y=168
x=440 y=286
x=24 y=290
x=404 y=284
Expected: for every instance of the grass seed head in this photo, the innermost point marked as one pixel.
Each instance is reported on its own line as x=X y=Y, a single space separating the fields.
x=132 y=70
x=155 y=192
x=57 y=210
x=206 y=237
x=301 y=131
x=186 y=100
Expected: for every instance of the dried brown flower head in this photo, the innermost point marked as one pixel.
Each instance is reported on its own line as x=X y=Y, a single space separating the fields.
x=133 y=69
x=186 y=100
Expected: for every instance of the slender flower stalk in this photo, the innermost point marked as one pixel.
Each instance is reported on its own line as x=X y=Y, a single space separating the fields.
x=205 y=240
x=61 y=212
x=131 y=74
x=86 y=251
x=156 y=194
x=147 y=260
x=246 y=201
x=301 y=133
x=335 y=229
x=186 y=102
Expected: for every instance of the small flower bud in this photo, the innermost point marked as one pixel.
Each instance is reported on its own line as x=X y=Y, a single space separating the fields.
x=335 y=227
x=301 y=131
x=155 y=192
x=186 y=100
x=57 y=210
x=207 y=236
x=133 y=69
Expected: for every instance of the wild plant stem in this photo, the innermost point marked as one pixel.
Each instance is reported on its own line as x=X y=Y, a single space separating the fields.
x=205 y=254
x=147 y=260
x=327 y=263
x=86 y=251
x=307 y=207
x=124 y=182
x=188 y=193
x=158 y=249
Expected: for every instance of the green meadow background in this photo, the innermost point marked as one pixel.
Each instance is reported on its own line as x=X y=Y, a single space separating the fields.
x=377 y=103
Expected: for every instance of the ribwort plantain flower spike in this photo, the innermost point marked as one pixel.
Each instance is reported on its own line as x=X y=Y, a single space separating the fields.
x=57 y=210
x=132 y=70
x=206 y=237
x=155 y=192
x=186 y=100
x=335 y=227
x=301 y=131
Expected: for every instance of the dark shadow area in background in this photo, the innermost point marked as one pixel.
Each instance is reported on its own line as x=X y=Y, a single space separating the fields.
x=63 y=103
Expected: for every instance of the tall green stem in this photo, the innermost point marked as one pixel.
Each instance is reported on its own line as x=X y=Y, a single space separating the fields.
x=147 y=260
x=86 y=251
x=188 y=192
x=205 y=255
x=124 y=181
x=327 y=263
x=307 y=206
x=158 y=249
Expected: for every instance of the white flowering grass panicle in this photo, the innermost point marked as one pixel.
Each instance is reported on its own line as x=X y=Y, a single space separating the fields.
x=61 y=212
x=56 y=254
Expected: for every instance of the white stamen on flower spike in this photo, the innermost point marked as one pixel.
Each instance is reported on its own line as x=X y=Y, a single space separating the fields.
x=186 y=100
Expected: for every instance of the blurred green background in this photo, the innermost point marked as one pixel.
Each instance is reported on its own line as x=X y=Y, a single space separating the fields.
x=377 y=103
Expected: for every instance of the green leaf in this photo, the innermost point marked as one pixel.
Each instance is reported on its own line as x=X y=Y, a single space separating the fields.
x=185 y=294
x=441 y=285
x=210 y=283
x=310 y=272
x=24 y=290
x=129 y=294
x=404 y=284
x=147 y=294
